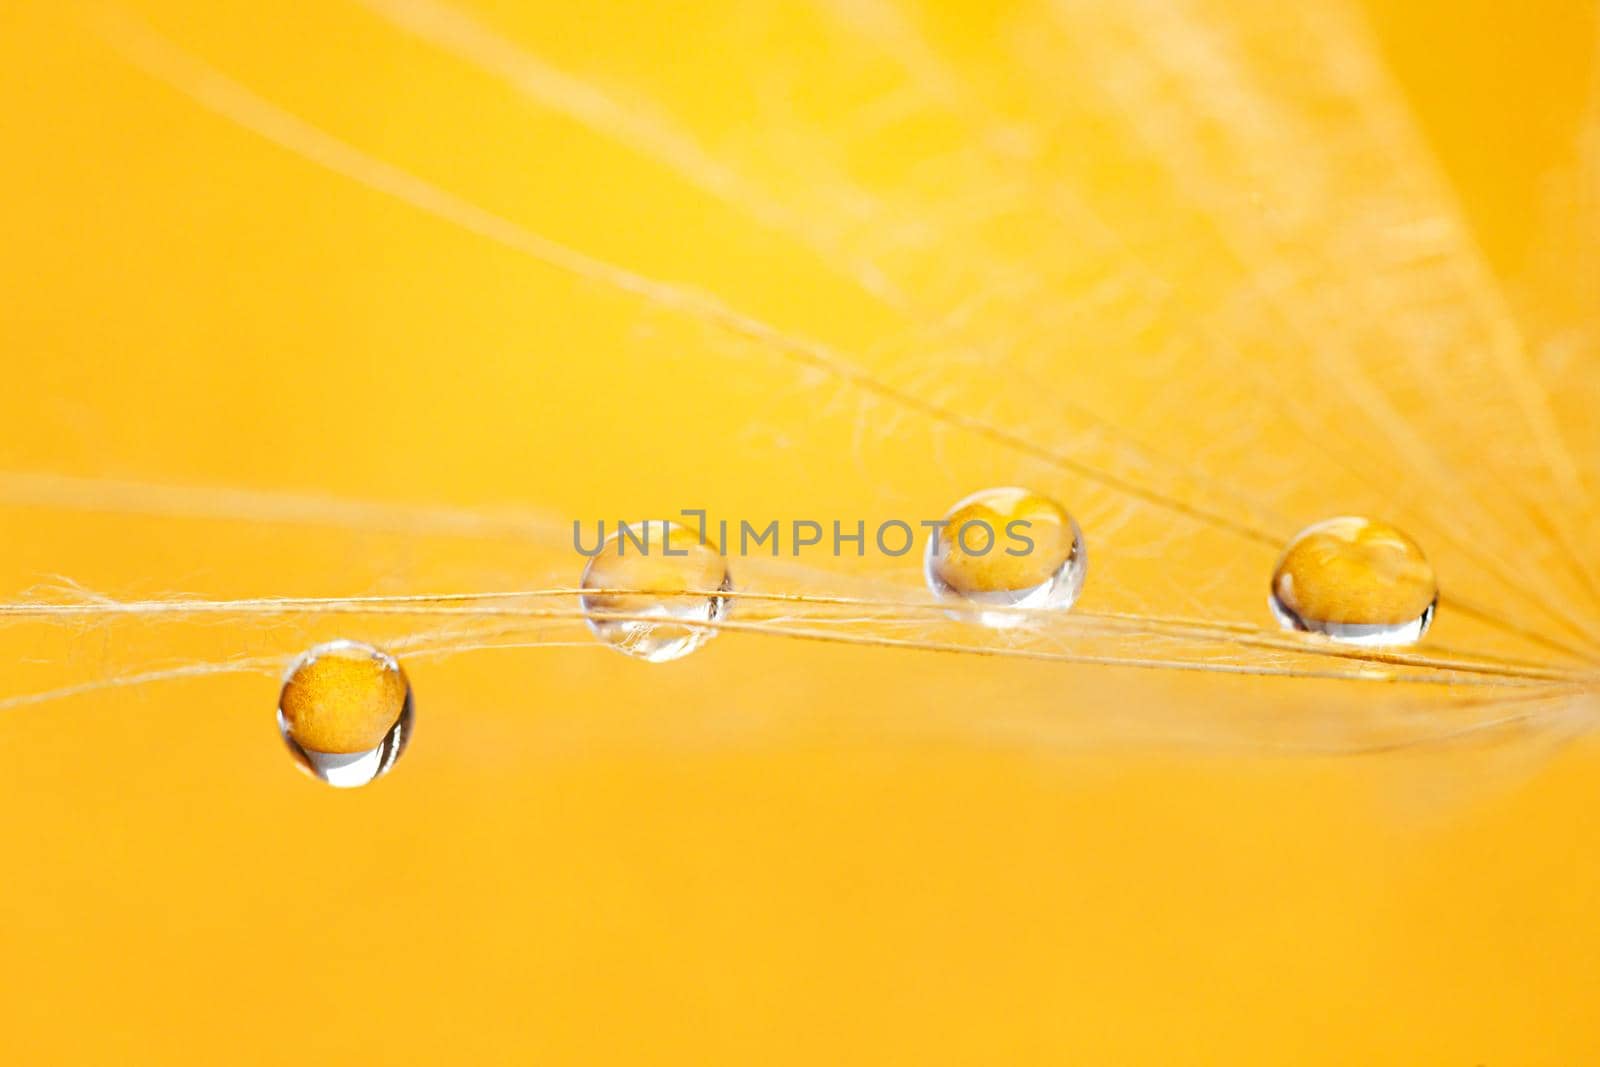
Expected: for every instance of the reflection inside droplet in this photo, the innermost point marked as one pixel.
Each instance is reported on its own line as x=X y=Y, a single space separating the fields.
x=345 y=712
x=649 y=580
x=1006 y=548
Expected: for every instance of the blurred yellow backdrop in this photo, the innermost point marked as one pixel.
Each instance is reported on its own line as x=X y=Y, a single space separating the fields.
x=771 y=851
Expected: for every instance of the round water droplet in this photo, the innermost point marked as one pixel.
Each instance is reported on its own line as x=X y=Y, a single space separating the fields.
x=1355 y=580
x=672 y=578
x=1007 y=548
x=345 y=712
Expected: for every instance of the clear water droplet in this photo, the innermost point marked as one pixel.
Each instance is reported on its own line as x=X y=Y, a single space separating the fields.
x=1007 y=548
x=1356 y=580
x=672 y=578
x=345 y=712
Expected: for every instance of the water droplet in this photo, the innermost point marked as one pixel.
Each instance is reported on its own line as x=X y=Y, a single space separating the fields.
x=1355 y=580
x=672 y=577
x=345 y=712
x=1007 y=548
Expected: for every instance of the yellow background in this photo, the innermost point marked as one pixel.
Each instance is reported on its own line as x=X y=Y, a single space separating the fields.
x=771 y=851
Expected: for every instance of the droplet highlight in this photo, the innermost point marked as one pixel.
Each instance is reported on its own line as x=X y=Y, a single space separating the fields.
x=1356 y=580
x=647 y=586
x=345 y=712
x=1006 y=548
